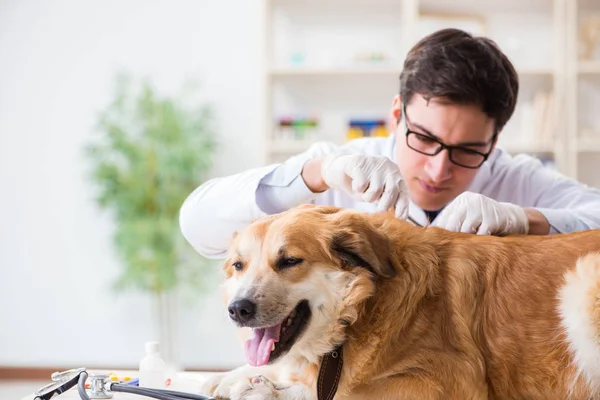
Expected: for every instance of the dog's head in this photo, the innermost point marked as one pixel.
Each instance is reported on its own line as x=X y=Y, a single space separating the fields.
x=299 y=278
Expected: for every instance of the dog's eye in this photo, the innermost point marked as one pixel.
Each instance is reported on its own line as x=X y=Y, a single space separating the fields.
x=238 y=266
x=289 y=262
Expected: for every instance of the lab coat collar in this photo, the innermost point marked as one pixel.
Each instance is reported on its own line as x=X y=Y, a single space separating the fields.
x=417 y=214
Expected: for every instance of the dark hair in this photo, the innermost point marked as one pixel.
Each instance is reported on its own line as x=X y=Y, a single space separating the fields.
x=464 y=69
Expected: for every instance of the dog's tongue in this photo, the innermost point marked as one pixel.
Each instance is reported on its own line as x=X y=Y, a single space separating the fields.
x=258 y=349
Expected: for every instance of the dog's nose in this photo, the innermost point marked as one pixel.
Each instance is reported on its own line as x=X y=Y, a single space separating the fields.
x=242 y=310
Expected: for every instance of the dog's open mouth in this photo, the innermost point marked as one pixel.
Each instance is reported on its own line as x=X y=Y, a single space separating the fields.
x=268 y=344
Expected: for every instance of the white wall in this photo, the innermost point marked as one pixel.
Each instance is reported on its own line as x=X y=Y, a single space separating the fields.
x=57 y=60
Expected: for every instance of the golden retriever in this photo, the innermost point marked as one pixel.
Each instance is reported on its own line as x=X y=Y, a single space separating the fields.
x=420 y=313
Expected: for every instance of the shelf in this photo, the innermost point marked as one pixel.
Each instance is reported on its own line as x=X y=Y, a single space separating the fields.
x=321 y=3
x=307 y=71
x=530 y=148
x=444 y=5
x=589 y=67
x=534 y=71
x=486 y=6
x=292 y=147
x=373 y=70
x=288 y=146
x=588 y=145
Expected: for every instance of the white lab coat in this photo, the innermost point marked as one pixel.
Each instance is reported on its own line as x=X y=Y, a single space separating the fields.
x=221 y=206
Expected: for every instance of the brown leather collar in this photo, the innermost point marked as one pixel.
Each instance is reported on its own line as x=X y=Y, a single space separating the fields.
x=329 y=374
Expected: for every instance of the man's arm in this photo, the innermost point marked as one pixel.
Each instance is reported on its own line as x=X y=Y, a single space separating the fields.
x=216 y=209
x=312 y=177
x=569 y=206
x=538 y=224
x=565 y=204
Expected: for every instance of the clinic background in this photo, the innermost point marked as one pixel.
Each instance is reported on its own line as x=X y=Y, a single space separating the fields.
x=58 y=60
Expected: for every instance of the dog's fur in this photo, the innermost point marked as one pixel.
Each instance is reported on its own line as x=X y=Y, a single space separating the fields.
x=422 y=313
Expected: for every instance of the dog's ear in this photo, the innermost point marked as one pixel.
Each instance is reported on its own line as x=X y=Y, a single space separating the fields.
x=359 y=244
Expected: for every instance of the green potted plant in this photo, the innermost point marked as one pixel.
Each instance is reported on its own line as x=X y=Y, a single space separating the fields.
x=150 y=153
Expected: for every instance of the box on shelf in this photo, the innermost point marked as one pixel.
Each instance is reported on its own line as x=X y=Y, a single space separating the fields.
x=358 y=128
x=291 y=129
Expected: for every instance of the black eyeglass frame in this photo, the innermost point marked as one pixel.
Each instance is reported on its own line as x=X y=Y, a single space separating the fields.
x=445 y=146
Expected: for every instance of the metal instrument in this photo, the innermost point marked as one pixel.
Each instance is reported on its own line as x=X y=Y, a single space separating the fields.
x=101 y=387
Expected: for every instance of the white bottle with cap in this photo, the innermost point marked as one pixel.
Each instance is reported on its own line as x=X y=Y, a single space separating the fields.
x=153 y=370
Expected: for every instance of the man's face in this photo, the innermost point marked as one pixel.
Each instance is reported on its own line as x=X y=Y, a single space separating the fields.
x=434 y=181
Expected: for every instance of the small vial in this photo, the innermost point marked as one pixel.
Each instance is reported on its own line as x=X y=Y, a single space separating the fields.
x=153 y=370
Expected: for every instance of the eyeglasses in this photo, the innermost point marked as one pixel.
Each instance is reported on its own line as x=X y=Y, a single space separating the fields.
x=430 y=146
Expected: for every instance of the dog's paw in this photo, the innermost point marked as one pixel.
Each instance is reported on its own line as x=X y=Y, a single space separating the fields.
x=259 y=388
x=231 y=385
x=209 y=386
x=222 y=385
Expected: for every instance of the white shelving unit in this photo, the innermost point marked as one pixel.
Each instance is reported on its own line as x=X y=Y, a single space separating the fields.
x=583 y=94
x=311 y=68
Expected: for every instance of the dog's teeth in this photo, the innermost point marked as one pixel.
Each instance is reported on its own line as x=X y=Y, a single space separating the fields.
x=289 y=322
x=273 y=348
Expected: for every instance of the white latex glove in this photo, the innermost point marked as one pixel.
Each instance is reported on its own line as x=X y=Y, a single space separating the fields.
x=475 y=213
x=367 y=178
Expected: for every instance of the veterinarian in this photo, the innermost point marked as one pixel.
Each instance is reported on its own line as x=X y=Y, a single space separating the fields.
x=440 y=167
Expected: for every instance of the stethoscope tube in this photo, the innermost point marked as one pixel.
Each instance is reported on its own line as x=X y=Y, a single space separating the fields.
x=159 y=394
x=173 y=395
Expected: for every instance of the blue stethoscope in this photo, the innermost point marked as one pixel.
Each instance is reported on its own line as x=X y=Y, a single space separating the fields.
x=102 y=388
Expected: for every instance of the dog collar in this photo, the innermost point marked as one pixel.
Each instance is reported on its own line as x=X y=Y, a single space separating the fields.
x=329 y=374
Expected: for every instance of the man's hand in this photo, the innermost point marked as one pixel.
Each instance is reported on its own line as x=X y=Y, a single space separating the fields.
x=475 y=213
x=369 y=179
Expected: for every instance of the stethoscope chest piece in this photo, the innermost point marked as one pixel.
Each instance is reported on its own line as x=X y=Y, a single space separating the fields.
x=99 y=388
